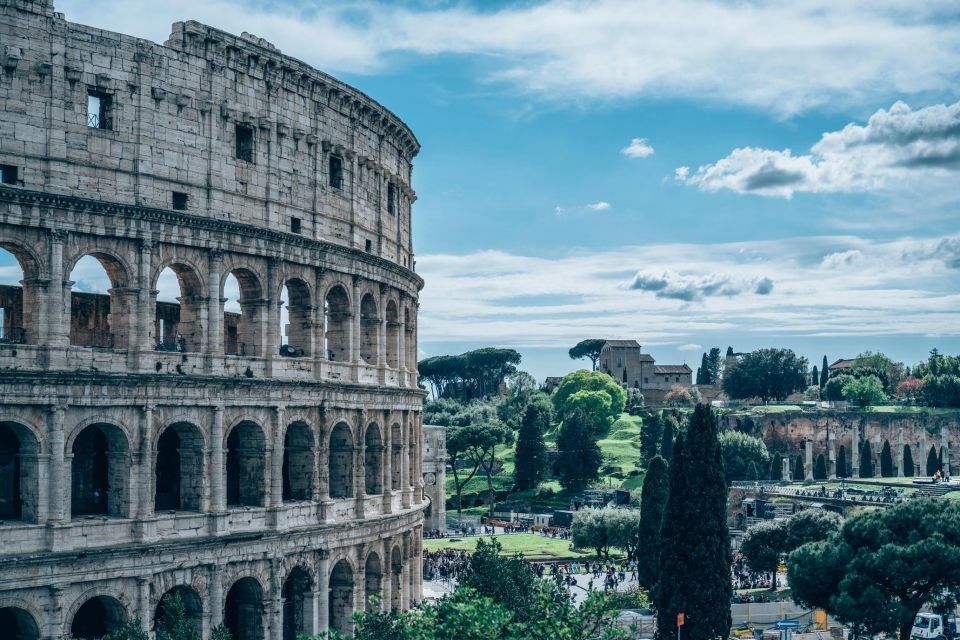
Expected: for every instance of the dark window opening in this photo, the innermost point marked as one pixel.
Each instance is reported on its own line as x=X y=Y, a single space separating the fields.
x=336 y=172
x=180 y=201
x=244 y=149
x=8 y=174
x=99 y=110
x=391 y=198
x=295 y=225
x=369 y=246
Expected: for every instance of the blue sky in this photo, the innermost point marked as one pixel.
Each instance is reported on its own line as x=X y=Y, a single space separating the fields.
x=689 y=174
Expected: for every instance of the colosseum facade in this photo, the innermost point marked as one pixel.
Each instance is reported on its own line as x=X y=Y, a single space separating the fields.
x=263 y=462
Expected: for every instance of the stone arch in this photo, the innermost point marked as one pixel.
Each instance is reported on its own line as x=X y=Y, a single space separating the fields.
x=341 y=461
x=96 y=617
x=18 y=624
x=396 y=456
x=297 y=603
x=19 y=472
x=103 y=322
x=396 y=578
x=372 y=579
x=369 y=329
x=181 y=326
x=393 y=335
x=373 y=460
x=299 y=327
x=178 y=468
x=192 y=606
x=246 y=467
x=100 y=471
x=336 y=323
x=298 y=462
x=22 y=305
x=243 y=609
x=243 y=335
x=341 y=597
x=908 y=462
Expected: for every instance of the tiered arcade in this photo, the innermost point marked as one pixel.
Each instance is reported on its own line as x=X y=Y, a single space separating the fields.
x=269 y=475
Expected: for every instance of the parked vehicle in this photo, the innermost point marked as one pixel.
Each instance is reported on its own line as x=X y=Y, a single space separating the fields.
x=933 y=626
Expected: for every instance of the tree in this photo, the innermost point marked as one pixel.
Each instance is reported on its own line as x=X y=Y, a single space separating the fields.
x=883 y=566
x=776 y=467
x=908 y=465
x=941 y=390
x=482 y=450
x=521 y=390
x=833 y=389
x=583 y=382
x=933 y=462
x=910 y=389
x=670 y=427
x=824 y=373
x=810 y=525
x=472 y=374
x=634 y=403
x=866 y=460
x=740 y=451
x=695 y=558
x=815 y=377
x=702 y=373
x=174 y=623
x=842 y=471
x=762 y=544
x=651 y=433
x=820 y=468
x=678 y=397
x=531 y=453
x=653 y=502
x=714 y=367
x=588 y=349
x=459 y=442
x=768 y=374
x=888 y=371
x=578 y=456
x=886 y=461
x=799 y=473
x=507 y=580
x=590 y=529
x=864 y=391
x=221 y=632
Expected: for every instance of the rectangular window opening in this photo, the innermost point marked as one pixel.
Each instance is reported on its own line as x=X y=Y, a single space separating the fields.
x=179 y=201
x=8 y=174
x=244 y=150
x=99 y=110
x=391 y=198
x=369 y=246
x=295 y=225
x=336 y=172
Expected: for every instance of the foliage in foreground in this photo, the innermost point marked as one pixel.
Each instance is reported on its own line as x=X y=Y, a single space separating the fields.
x=763 y=544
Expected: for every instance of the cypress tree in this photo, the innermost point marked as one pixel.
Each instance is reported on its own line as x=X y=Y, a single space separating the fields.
x=776 y=467
x=578 y=456
x=650 y=435
x=703 y=373
x=653 y=502
x=886 y=461
x=695 y=555
x=820 y=468
x=908 y=465
x=531 y=454
x=815 y=377
x=933 y=463
x=798 y=471
x=669 y=432
x=842 y=463
x=824 y=373
x=866 y=460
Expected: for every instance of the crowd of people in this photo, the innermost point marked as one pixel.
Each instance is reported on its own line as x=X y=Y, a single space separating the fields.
x=744 y=578
x=496 y=528
x=444 y=564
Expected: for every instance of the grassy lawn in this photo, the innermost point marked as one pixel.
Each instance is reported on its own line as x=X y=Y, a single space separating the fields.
x=533 y=547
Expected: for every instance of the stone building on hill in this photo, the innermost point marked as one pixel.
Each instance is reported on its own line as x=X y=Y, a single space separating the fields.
x=152 y=448
x=626 y=363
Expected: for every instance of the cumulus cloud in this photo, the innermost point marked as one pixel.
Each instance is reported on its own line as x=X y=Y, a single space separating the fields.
x=599 y=206
x=840 y=259
x=781 y=56
x=895 y=145
x=669 y=284
x=638 y=148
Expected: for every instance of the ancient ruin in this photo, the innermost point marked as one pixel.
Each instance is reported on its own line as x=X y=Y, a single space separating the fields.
x=150 y=447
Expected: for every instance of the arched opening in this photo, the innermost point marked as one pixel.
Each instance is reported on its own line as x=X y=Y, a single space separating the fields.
x=396 y=579
x=295 y=319
x=245 y=466
x=396 y=444
x=18 y=295
x=243 y=611
x=97 y=617
x=298 y=463
x=820 y=468
x=180 y=310
x=373 y=460
x=19 y=473
x=369 y=330
x=336 y=325
x=101 y=472
x=843 y=469
x=297 y=602
x=393 y=335
x=866 y=460
x=341 y=462
x=18 y=624
x=341 y=598
x=409 y=341
x=887 y=469
x=183 y=598
x=908 y=464
x=372 y=580
x=179 y=469
x=101 y=303
x=243 y=314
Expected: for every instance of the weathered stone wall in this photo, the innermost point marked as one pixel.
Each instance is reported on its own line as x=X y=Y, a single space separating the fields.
x=134 y=462
x=851 y=434
x=435 y=476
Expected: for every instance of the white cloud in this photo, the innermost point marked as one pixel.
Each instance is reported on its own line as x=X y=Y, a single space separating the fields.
x=781 y=56
x=690 y=346
x=895 y=146
x=599 y=206
x=841 y=259
x=681 y=173
x=897 y=287
x=638 y=148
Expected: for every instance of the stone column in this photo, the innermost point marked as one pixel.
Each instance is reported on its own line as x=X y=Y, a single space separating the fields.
x=921 y=457
x=405 y=462
x=145 y=306
x=273 y=304
x=57 y=511
x=382 y=328
x=275 y=614
x=402 y=341
x=360 y=584
x=276 y=460
x=145 y=463
x=808 y=461
x=143 y=603
x=945 y=450
x=323 y=594
x=831 y=453
x=218 y=497
x=216 y=595
x=355 y=324
x=899 y=453
x=360 y=464
x=57 y=624
x=214 y=313
x=855 y=452
x=387 y=467
x=57 y=329
x=312 y=622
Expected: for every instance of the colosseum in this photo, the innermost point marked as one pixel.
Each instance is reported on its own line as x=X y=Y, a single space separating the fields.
x=260 y=457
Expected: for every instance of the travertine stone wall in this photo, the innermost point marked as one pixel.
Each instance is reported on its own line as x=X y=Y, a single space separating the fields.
x=275 y=491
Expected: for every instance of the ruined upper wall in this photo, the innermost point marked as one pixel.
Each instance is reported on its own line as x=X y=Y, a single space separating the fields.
x=174 y=116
